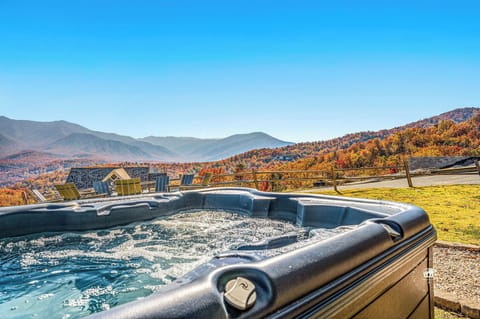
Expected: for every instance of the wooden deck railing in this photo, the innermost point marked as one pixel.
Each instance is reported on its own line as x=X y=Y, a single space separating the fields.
x=334 y=177
x=277 y=180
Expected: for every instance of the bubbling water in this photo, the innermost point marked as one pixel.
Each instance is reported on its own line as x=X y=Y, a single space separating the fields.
x=72 y=275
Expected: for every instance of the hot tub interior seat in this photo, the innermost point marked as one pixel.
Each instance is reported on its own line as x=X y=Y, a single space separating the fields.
x=304 y=210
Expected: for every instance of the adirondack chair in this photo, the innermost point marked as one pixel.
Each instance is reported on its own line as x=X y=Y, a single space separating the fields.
x=39 y=198
x=101 y=187
x=68 y=191
x=205 y=182
x=161 y=183
x=187 y=179
x=128 y=186
x=206 y=179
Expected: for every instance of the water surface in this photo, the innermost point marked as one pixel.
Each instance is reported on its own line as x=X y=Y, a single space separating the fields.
x=71 y=275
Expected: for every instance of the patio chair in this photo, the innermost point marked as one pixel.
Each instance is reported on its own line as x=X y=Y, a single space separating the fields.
x=205 y=182
x=126 y=187
x=187 y=179
x=68 y=191
x=102 y=188
x=161 y=183
x=206 y=179
x=39 y=198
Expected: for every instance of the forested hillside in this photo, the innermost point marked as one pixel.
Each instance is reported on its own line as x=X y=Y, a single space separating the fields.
x=425 y=137
x=444 y=139
x=383 y=148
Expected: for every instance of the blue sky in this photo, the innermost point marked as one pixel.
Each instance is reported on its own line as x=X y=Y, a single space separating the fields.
x=298 y=70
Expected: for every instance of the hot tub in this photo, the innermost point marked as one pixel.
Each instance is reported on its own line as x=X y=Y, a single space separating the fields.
x=375 y=263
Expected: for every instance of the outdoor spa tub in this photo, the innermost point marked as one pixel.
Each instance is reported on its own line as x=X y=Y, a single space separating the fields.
x=301 y=256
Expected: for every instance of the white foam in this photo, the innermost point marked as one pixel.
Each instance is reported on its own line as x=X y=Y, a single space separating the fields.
x=45 y=296
x=74 y=272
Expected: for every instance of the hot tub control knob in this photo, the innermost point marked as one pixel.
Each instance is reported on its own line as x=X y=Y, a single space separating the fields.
x=240 y=293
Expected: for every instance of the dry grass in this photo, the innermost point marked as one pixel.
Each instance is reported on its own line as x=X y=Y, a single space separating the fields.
x=443 y=314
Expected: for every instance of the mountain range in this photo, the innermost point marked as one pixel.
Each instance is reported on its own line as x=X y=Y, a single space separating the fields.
x=68 y=140
x=42 y=152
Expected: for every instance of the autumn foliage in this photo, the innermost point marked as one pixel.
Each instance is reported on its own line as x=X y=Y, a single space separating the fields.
x=366 y=149
x=11 y=197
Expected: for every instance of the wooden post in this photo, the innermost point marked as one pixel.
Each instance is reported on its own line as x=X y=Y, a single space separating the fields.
x=254 y=174
x=407 y=173
x=334 y=179
x=25 y=197
x=477 y=164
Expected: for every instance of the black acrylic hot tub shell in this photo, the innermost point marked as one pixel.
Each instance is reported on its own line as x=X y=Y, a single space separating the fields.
x=372 y=271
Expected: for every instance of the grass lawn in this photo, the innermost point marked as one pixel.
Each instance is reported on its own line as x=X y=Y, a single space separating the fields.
x=454 y=210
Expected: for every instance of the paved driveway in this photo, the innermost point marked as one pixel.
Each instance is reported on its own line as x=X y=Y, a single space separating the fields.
x=417 y=182
x=422 y=181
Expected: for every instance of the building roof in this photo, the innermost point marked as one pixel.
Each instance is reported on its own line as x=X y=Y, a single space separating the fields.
x=439 y=162
x=118 y=173
x=84 y=177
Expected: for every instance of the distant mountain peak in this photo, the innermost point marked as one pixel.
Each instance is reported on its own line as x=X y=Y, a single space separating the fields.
x=194 y=149
x=65 y=138
x=457 y=115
